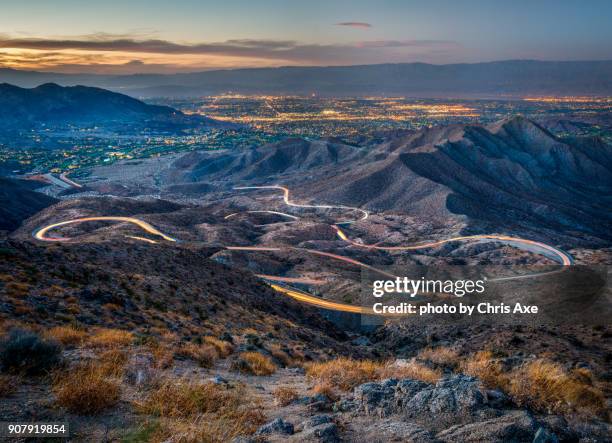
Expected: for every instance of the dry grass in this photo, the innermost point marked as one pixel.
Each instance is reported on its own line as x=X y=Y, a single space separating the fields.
x=285 y=395
x=66 y=335
x=281 y=356
x=441 y=355
x=8 y=385
x=205 y=355
x=197 y=430
x=110 y=338
x=542 y=385
x=112 y=363
x=326 y=390
x=224 y=348
x=546 y=386
x=163 y=355
x=483 y=365
x=411 y=369
x=343 y=373
x=254 y=363
x=202 y=412
x=86 y=390
x=17 y=289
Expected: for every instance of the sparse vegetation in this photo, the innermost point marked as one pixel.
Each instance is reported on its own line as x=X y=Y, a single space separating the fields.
x=202 y=412
x=410 y=369
x=541 y=384
x=112 y=363
x=26 y=352
x=442 y=355
x=86 y=390
x=108 y=338
x=67 y=335
x=346 y=373
x=484 y=366
x=254 y=363
x=544 y=385
x=326 y=390
x=285 y=395
x=7 y=385
x=343 y=373
x=205 y=354
x=224 y=348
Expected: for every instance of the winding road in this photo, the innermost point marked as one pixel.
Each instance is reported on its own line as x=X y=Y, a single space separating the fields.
x=530 y=245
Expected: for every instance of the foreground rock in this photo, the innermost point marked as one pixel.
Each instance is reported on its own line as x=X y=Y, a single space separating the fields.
x=455 y=409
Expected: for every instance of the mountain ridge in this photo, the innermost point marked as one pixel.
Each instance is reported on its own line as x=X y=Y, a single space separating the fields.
x=493 y=79
x=52 y=104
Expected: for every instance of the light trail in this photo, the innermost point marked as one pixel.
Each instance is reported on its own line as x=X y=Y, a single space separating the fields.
x=262 y=212
x=144 y=239
x=72 y=183
x=365 y=214
x=41 y=233
x=292 y=217
x=321 y=302
x=564 y=258
x=303 y=280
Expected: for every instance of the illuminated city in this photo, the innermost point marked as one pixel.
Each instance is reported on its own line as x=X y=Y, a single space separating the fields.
x=265 y=119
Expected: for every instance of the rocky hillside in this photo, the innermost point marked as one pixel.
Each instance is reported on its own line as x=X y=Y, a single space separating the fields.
x=50 y=105
x=18 y=201
x=513 y=172
x=508 y=175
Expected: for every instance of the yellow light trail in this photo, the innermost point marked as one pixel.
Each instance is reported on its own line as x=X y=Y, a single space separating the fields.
x=565 y=258
x=320 y=302
x=40 y=234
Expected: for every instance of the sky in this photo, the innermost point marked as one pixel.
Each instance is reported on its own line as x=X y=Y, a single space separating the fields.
x=154 y=36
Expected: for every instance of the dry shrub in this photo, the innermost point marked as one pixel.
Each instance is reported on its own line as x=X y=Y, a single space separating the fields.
x=197 y=430
x=17 y=289
x=441 y=355
x=482 y=365
x=224 y=348
x=112 y=363
x=544 y=385
x=285 y=395
x=280 y=355
x=66 y=335
x=254 y=363
x=8 y=385
x=343 y=373
x=6 y=278
x=110 y=338
x=202 y=412
x=52 y=291
x=326 y=390
x=411 y=369
x=163 y=356
x=205 y=355
x=85 y=390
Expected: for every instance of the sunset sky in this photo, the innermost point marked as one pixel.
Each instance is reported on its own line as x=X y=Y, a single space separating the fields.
x=161 y=36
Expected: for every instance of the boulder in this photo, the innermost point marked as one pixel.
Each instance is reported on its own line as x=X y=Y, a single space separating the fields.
x=515 y=426
x=276 y=426
x=323 y=433
x=457 y=394
x=391 y=430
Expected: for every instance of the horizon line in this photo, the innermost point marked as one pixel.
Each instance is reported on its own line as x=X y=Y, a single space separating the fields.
x=221 y=69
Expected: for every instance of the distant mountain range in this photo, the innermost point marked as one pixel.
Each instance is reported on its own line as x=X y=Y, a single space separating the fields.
x=495 y=79
x=53 y=105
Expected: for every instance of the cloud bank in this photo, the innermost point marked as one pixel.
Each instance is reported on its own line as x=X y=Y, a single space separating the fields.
x=120 y=50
